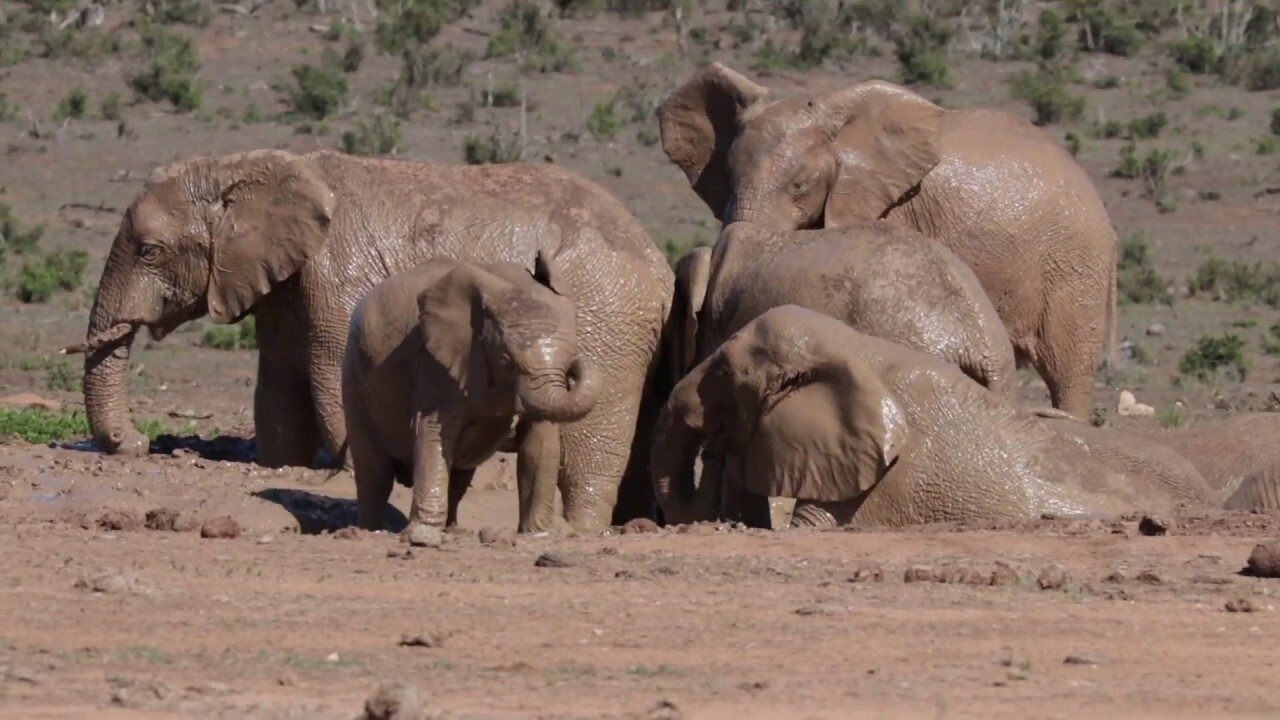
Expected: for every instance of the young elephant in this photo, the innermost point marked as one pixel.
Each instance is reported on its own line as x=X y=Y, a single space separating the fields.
x=881 y=279
x=441 y=362
x=863 y=431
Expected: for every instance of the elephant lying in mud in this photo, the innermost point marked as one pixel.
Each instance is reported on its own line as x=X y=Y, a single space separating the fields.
x=441 y=361
x=998 y=191
x=865 y=432
x=297 y=240
x=881 y=279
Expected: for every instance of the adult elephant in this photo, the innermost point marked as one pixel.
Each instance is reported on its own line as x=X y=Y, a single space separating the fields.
x=996 y=190
x=863 y=431
x=297 y=240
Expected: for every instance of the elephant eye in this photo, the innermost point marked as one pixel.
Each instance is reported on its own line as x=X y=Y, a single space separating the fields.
x=149 y=252
x=800 y=185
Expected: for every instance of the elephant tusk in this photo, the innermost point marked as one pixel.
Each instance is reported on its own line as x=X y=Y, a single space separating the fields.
x=117 y=332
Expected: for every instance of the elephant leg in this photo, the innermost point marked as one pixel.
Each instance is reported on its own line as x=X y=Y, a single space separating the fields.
x=324 y=366
x=283 y=416
x=375 y=477
x=738 y=504
x=430 y=473
x=459 y=483
x=537 y=471
x=635 y=494
x=1068 y=354
x=594 y=455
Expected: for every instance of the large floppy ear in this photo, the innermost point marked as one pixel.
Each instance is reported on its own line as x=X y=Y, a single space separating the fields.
x=451 y=316
x=699 y=122
x=887 y=139
x=830 y=433
x=276 y=213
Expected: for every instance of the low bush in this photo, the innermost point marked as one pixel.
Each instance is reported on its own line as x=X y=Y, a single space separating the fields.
x=186 y=12
x=1047 y=94
x=1145 y=128
x=110 y=108
x=43 y=274
x=494 y=150
x=317 y=92
x=39 y=426
x=1137 y=281
x=241 y=336
x=404 y=24
x=1214 y=354
x=1237 y=281
x=170 y=72
x=378 y=134
x=72 y=106
x=603 y=122
x=921 y=49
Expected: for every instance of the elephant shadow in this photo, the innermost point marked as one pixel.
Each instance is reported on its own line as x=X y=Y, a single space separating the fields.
x=318 y=513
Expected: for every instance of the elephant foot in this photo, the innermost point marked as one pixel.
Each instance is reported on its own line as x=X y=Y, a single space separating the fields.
x=420 y=534
x=311 y=477
x=807 y=514
x=131 y=444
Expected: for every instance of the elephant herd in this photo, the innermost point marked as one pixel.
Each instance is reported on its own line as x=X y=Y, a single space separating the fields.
x=849 y=342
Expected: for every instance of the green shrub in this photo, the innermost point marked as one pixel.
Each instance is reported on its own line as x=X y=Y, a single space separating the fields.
x=72 y=106
x=1051 y=39
x=375 y=135
x=1271 y=340
x=647 y=136
x=921 y=49
x=1108 y=27
x=1047 y=94
x=170 y=71
x=1213 y=354
x=503 y=96
x=1178 y=82
x=1275 y=121
x=1147 y=127
x=1170 y=417
x=251 y=115
x=13 y=239
x=403 y=24
x=580 y=8
x=1137 y=281
x=60 y=375
x=1237 y=281
x=1074 y=143
x=241 y=336
x=1262 y=70
x=186 y=12
x=110 y=108
x=477 y=151
x=41 y=427
x=1107 y=130
x=89 y=44
x=1195 y=54
x=317 y=92
x=427 y=66
x=8 y=108
x=603 y=122
x=44 y=274
x=1266 y=145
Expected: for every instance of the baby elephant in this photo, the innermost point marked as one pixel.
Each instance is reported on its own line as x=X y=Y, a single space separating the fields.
x=881 y=279
x=442 y=363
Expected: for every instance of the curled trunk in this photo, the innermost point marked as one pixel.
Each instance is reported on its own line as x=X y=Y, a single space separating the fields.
x=561 y=396
x=677 y=440
x=106 y=372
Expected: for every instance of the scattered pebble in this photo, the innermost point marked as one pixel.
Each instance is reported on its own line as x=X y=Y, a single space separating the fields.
x=1241 y=605
x=1150 y=577
x=640 y=526
x=266 y=539
x=1005 y=575
x=119 y=520
x=425 y=639
x=1082 y=659
x=110 y=582
x=161 y=519
x=819 y=609
x=351 y=532
x=422 y=535
x=1053 y=577
x=552 y=560
x=869 y=572
x=497 y=536
x=1154 y=525
x=918 y=573
x=1155 y=330
x=396 y=701
x=665 y=710
x=1264 y=561
x=220 y=528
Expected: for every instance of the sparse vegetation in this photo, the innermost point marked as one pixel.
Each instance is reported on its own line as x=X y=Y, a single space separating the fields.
x=43 y=274
x=317 y=92
x=1214 y=354
x=72 y=106
x=377 y=134
x=110 y=108
x=1047 y=94
x=170 y=72
x=46 y=426
x=921 y=49
x=404 y=24
x=494 y=150
x=603 y=122
x=241 y=336
x=1235 y=281
x=1137 y=280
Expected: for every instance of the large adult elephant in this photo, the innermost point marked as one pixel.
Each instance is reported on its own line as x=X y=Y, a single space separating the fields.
x=1003 y=195
x=297 y=240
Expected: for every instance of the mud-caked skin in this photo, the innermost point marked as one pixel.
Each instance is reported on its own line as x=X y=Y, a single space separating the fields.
x=881 y=279
x=441 y=362
x=1239 y=456
x=996 y=190
x=297 y=240
x=866 y=432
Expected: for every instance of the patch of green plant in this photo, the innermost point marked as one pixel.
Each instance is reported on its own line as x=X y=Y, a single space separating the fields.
x=83 y=44
x=13 y=238
x=494 y=150
x=1108 y=27
x=376 y=134
x=528 y=31
x=41 y=427
x=603 y=122
x=317 y=92
x=60 y=375
x=110 y=107
x=170 y=72
x=1195 y=54
x=1073 y=142
x=240 y=336
x=1137 y=280
x=73 y=105
x=647 y=136
x=921 y=49
x=1214 y=354
x=43 y=274
x=1047 y=94
x=348 y=61
x=503 y=96
x=403 y=24
x=1178 y=82
x=824 y=35
x=1170 y=417
x=1051 y=36
x=1262 y=70
x=1266 y=145
x=1237 y=281
x=8 y=108
x=1149 y=126
x=1271 y=340
x=186 y=12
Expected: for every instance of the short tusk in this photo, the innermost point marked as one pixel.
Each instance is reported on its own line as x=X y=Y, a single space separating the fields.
x=92 y=344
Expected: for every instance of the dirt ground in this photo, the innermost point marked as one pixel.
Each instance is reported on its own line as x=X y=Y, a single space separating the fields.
x=298 y=618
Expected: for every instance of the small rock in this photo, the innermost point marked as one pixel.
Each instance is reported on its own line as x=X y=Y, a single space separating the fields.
x=399 y=554
x=1154 y=525
x=818 y=609
x=351 y=532
x=1053 y=577
x=186 y=522
x=422 y=535
x=1241 y=605
x=425 y=639
x=1150 y=577
x=119 y=520
x=161 y=519
x=287 y=680
x=552 y=560
x=665 y=710
x=332 y=658
x=1005 y=575
x=120 y=697
x=1264 y=561
x=640 y=526
x=918 y=573
x=497 y=536
x=624 y=575
x=870 y=572
x=1155 y=330
x=266 y=539
x=1129 y=405
x=220 y=528
x=21 y=675
x=111 y=581
x=954 y=575
x=396 y=701
x=1081 y=659
x=1116 y=577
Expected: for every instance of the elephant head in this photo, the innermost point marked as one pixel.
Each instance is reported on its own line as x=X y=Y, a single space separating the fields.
x=810 y=421
x=499 y=328
x=211 y=236
x=853 y=154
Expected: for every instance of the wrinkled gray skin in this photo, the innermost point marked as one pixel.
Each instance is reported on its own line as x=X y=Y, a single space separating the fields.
x=441 y=362
x=297 y=240
x=1239 y=456
x=868 y=433
x=998 y=191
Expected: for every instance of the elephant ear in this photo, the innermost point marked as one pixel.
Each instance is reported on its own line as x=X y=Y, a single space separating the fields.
x=692 y=274
x=829 y=433
x=547 y=274
x=887 y=139
x=699 y=122
x=276 y=213
x=451 y=316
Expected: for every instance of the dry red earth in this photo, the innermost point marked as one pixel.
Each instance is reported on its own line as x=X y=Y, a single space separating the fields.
x=101 y=617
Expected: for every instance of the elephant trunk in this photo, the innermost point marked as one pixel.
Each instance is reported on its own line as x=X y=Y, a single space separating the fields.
x=677 y=440
x=561 y=395
x=106 y=377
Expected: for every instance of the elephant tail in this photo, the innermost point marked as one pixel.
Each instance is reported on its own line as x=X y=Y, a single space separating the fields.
x=1113 y=317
